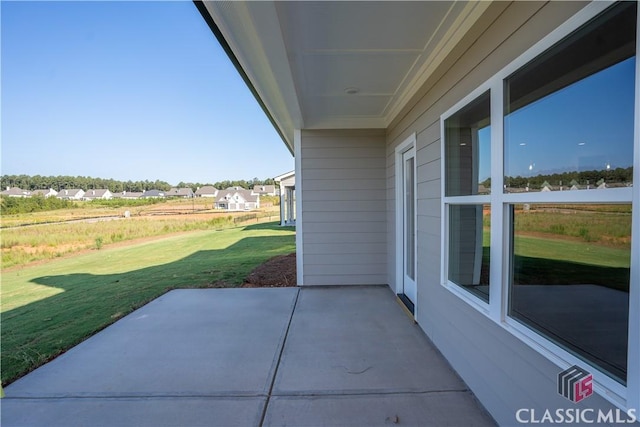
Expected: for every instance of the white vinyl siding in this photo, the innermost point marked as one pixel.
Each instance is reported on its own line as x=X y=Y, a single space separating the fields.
x=343 y=202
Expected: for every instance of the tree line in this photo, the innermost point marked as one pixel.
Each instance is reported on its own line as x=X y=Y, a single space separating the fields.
x=18 y=205
x=592 y=177
x=38 y=182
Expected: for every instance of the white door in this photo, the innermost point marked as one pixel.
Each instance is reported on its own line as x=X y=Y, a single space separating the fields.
x=409 y=288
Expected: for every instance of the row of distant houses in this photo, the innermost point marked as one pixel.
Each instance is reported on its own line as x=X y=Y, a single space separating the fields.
x=232 y=198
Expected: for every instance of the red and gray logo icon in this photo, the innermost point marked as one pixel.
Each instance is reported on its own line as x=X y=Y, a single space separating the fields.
x=575 y=384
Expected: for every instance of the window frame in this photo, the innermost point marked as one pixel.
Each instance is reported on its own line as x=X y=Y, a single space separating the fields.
x=476 y=199
x=626 y=397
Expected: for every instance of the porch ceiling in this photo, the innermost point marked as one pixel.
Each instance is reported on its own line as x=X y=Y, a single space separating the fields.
x=334 y=65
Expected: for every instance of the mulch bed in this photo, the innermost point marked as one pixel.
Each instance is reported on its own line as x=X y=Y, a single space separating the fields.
x=279 y=271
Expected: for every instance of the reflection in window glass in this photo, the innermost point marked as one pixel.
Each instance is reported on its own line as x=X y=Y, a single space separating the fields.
x=570 y=278
x=409 y=215
x=569 y=114
x=468 y=149
x=469 y=240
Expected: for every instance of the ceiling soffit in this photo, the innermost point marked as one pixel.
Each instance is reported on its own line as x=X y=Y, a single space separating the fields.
x=303 y=57
x=383 y=51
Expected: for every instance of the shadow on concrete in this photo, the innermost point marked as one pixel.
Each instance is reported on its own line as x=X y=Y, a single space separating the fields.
x=90 y=302
x=332 y=356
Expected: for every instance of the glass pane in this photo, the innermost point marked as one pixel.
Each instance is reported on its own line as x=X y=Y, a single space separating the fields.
x=570 y=278
x=409 y=210
x=569 y=113
x=469 y=241
x=468 y=149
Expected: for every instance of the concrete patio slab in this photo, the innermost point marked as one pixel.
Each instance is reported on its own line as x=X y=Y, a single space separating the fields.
x=343 y=356
x=358 y=340
x=187 y=342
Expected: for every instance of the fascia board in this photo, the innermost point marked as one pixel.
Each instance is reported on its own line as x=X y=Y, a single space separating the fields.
x=284 y=176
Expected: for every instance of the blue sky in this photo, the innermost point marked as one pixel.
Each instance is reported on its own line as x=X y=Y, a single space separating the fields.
x=127 y=90
x=585 y=126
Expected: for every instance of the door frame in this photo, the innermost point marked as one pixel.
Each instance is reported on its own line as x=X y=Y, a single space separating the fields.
x=403 y=147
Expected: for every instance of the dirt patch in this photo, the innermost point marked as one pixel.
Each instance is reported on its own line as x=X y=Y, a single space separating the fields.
x=279 y=271
x=57 y=249
x=70 y=250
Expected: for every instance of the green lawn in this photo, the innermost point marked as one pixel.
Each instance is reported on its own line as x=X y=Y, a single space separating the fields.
x=566 y=262
x=572 y=251
x=563 y=261
x=48 y=308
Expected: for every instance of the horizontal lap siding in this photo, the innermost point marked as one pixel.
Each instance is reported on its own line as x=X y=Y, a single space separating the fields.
x=353 y=196
x=503 y=372
x=344 y=207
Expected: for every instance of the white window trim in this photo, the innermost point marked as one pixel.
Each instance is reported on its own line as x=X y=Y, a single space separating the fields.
x=470 y=298
x=297 y=145
x=625 y=397
x=633 y=370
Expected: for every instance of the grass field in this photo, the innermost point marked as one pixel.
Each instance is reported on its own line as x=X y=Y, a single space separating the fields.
x=573 y=244
x=48 y=308
x=25 y=244
x=103 y=208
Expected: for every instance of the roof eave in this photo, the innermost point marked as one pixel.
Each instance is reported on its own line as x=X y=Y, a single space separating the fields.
x=284 y=176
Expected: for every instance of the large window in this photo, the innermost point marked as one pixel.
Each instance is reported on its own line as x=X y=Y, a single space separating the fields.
x=568 y=120
x=561 y=211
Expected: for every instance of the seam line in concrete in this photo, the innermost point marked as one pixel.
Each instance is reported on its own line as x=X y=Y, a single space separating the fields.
x=140 y=396
x=367 y=393
x=275 y=372
x=237 y=396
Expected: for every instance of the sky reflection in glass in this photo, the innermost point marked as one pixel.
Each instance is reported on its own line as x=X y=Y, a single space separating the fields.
x=585 y=126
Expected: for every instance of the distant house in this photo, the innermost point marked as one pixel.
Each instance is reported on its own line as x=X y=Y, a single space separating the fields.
x=264 y=190
x=287 y=183
x=207 y=191
x=237 y=199
x=71 y=194
x=180 y=192
x=102 y=194
x=45 y=193
x=16 y=192
x=128 y=195
x=482 y=189
x=153 y=194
